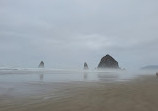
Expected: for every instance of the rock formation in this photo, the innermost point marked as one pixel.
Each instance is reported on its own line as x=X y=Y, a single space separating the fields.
x=157 y=74
x=85 y=66
x=108 y=62
x=41 y=65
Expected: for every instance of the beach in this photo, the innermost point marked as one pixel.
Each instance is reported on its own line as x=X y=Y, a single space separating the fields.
x=138 y=94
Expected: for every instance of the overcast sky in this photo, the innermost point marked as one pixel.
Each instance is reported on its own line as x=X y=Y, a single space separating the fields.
x=66 y=33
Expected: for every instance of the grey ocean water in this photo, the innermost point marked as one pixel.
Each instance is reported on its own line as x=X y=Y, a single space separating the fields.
x=62 y=75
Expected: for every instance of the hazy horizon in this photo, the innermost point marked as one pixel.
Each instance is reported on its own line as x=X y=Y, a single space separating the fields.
x=67 y=33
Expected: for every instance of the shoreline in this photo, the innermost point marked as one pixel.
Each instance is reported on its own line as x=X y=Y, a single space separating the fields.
x=139 y=94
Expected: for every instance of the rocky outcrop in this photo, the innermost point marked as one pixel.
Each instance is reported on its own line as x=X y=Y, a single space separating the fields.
x=41 y=65
x=108 y=62
x=85 y=66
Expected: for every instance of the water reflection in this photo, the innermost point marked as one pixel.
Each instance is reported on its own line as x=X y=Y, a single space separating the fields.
x=107 y=76
x=62 y=76
x=85 y=75
x=41 y=75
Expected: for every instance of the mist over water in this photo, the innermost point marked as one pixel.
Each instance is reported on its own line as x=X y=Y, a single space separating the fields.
x=28 y=81
x=67 y=75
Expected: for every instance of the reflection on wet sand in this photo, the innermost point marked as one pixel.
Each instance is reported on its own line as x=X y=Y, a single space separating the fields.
x=67 y=91
x=107 y=76
x=85 y=75
x=139 y=95
x=41 y=75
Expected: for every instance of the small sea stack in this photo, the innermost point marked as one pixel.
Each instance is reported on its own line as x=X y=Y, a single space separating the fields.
x=108 y=62
x=86 y=66
x=41 y=65
x=157 y=74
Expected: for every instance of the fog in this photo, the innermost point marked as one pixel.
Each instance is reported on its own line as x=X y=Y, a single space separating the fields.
x=67 y=33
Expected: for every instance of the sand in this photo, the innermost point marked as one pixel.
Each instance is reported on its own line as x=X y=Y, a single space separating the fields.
x=140 y=94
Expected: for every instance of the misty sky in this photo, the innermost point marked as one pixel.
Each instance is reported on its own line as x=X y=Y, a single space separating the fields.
x=66 y=33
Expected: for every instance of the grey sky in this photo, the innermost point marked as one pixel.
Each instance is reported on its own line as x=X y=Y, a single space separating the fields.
x=66 y=33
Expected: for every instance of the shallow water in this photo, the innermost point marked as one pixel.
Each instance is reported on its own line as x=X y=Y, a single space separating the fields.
x=45 y=89
x=30 y=82
x=44 y=75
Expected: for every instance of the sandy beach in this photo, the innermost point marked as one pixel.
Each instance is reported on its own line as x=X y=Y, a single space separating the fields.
x=140 y=94
x=78 y=55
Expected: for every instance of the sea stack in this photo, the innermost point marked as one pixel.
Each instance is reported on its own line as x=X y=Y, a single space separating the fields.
x=85 y=66
x=41 y=65
x=108 y=62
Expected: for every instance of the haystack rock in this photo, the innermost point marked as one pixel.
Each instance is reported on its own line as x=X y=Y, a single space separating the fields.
x=41 y=65
x=85 y=66
x=108 y=62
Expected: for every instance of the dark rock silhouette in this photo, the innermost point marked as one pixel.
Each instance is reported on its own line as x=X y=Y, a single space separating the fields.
x=157 y=74
x=108 y=62
x=85 y=66
x=41 y=65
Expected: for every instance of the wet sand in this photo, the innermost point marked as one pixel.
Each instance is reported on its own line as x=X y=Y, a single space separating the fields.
x=140 y=94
